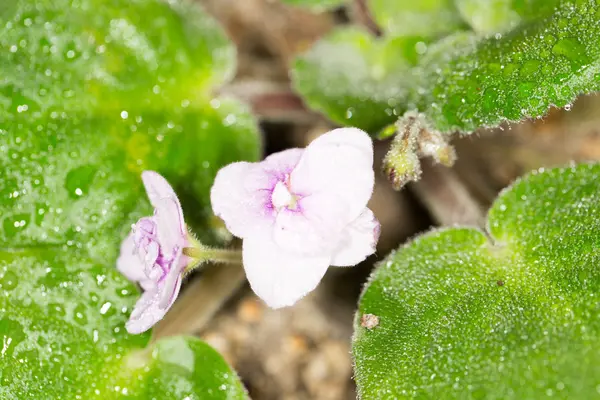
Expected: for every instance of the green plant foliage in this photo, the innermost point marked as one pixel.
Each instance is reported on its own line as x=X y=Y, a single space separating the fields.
x=353 y=77
x=495 y=16
x=180 y=368
x=429 y=18
x=465 y=81
x=91 y=93
x=315 y=5
x=512 y=315
x=514 y=76
x=489 y=16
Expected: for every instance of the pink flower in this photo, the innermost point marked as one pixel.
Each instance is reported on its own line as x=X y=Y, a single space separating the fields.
x=152 y=254
x=300 y=211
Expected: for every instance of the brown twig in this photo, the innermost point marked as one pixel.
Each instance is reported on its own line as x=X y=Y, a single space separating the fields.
x=362 y=15
x=446 y=197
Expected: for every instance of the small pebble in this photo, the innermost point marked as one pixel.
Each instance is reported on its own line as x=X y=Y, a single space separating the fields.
x=369 y=321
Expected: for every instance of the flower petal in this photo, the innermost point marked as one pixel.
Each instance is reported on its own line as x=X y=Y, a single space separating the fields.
x=147 y=312
x=295 y=231
x=278 y=277
x=157 y=187
x=130 y=265
x=240 y=196
x=334 y=179
x=282 y=163
x=358 y=241
x=170 y=226
x=173 y=276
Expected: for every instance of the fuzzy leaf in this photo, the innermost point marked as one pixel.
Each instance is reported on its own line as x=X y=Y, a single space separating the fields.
x=429 y=18
x=507 y=78
x=495 y=16
x=353 y=77
x=509 y=316
x=464 y=81
x=93 y=93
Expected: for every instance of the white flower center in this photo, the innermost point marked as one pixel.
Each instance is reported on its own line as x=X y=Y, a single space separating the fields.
x=282 y=197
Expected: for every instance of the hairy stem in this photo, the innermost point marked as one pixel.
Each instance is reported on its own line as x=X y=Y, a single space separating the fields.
x=203 y=254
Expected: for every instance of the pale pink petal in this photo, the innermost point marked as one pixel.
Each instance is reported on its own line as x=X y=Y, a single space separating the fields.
x=241 y=197
x=173 y=276
x=335 y=177
x=157 y=187
x=147 y=312
x=130 y=265
x=278 y=277
x=282 y=163
x=170 y=227
x=358 y=241
x=149 y=258
x=295 y=231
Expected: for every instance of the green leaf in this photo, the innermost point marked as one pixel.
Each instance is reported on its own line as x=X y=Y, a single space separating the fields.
x=512 y=314
x=356 y=79
x=110 y=55
x=77 y=130
x=352 y=77
x=179 y=368
x=495 y=16
x=507 y=78
x=429 y=18
x=315 y=5
x=464 y=81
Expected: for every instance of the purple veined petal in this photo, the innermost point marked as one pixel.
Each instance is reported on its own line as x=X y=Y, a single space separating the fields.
x=145 y=228
x=335 y=176
x=150 y=256
x=129 y=264
x=241 y=197
x=147 y=312
x=358 y=241
x=278 y=277
x=170 y=226
x=170 y=281
x=280 y=164
x=157 y=187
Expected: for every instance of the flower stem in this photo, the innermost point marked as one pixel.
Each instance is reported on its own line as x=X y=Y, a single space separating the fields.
x=215 y=255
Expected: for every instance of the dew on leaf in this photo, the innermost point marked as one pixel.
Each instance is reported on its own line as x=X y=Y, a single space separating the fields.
x=56 y=310
x=9 y=280
x=80 y=314
x=15 y=223
x=79 y=180
x=11 y=334
x=105 y=307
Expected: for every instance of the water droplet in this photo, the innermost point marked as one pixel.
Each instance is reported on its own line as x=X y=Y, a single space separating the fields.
x=56 y=310
x=9 y=280
x=421 y=47
x=80 y=314
x=14 y=224
x=105 y=307
x=79 y=180
x=11 y=334
x=229 y=120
